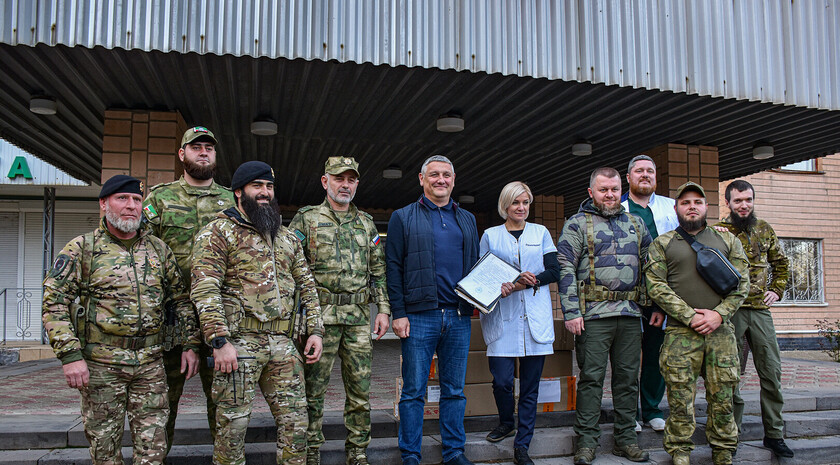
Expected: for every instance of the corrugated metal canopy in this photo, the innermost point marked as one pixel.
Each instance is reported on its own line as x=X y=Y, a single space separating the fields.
x=517 y=128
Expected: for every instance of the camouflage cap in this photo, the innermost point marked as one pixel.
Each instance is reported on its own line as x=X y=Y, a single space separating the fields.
x=196 y=133
x=338 y=165
x=691 y=186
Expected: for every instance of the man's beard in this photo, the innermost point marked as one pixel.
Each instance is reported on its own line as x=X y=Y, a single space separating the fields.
x=126 y=226
x=200 y=172
x=607 y=211
x=695 y=225
x=265 y=218
x=641 y=191
x=743 y=224
x=334 y=196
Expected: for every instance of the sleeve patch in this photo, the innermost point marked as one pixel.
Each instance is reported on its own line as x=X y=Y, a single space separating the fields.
x=150 y=212
x=301 y=236
x=60 y=264
x=376 y=239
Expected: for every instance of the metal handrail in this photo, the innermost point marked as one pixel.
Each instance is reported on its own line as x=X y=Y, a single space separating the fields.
x=22 y=303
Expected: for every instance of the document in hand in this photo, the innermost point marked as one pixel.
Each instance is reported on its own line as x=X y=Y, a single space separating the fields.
x=482 y=287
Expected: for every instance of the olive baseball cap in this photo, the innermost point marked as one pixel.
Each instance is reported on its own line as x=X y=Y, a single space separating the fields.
x=198 y=132
x=691 y=186
x=338 y=165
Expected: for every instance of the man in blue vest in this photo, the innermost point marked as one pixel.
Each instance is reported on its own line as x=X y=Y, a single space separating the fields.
x=432 y=244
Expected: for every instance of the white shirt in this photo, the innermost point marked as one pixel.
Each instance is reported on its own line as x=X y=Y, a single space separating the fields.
x=522 y=324
x=663 y=211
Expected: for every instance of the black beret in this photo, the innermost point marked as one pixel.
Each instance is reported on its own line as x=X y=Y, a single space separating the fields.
x=251 y=171
x=119 y=184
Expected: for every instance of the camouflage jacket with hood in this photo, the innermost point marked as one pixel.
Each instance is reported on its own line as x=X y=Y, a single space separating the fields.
x=619 y=249
x=238 y=273
x=128 y=287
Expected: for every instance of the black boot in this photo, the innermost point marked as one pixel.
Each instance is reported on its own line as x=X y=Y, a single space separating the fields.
x=520 y=456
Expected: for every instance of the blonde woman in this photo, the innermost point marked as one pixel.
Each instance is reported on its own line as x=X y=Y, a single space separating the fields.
x=522 y=326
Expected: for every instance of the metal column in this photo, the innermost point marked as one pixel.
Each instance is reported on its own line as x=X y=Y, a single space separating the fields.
x=48 y=238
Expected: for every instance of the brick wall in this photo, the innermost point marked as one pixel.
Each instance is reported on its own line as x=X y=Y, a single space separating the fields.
x=143 y=144
x=547 y=210
x=803 y=205
x=677 y=164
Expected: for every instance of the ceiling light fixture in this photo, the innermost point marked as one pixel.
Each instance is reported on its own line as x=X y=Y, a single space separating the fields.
x=450 y=123
x=581 y=149
x=43 y=105
x=466 y=199
x=263 y=128
x=763 y=151
x=392 y=172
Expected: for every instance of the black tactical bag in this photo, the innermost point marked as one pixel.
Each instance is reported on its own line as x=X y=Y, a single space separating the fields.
x=713 y=267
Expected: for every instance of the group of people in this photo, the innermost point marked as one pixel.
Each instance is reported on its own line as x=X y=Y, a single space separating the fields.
x=201 y=279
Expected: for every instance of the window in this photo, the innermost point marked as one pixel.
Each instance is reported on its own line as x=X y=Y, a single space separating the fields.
x=805 y=285
x=808 y=166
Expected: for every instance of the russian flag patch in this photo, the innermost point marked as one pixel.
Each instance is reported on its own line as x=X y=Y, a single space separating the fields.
x=377 y=239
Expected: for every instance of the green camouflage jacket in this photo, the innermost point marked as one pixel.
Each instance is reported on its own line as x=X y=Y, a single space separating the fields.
x=237 y=273
x=176 y=211
x=659 y=288
x=128 y=289
x=347 y=261
x=618 y=266
x=766 y=260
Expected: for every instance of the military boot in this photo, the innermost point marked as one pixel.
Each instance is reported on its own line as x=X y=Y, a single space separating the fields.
x=313 y=456
x=631 y=452
x=681 y=459
x=356 y=457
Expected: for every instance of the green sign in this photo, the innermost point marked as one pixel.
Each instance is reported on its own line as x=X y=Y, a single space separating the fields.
x=20 y=168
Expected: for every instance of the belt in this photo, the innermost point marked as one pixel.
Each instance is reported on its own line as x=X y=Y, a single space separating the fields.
x=326 y=297
x=273 y=326
x=96 y=336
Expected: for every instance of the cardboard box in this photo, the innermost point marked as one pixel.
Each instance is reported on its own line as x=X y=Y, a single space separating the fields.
x=478 y=368
x=476 y=336
x=480 y=400
x=557 y=394
x=563 y=339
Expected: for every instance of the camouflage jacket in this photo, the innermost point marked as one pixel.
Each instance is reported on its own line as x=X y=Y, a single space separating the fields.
x=237 y=273
x=176 y=211
x=347 y=261
x=618 y=261
x=128 y=289
x=660 y=279
x=766 y=261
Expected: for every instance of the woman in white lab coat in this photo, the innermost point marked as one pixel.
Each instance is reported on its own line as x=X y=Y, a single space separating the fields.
x=522 y=326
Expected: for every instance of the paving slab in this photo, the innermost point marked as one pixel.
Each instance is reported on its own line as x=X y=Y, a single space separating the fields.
x=36 y=431
x=22 y=457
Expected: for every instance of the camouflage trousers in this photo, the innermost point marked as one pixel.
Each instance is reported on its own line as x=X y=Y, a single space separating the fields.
x=175 y=380
x=353 y=345
x=685 y=356
x=113 y=391
x=277 y=368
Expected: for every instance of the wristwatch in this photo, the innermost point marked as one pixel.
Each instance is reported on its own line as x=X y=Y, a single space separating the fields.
x=218 y=342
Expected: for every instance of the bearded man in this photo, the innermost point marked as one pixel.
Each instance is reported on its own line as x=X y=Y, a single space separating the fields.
x=347 y=260
x=176 y=212
x=754 y=319
x=657 y=211
x=601 y=252
x=110 y=344
x=246 y=269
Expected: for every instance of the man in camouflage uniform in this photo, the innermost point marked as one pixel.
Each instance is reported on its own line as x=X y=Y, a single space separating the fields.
x=348 y=263
x=246 y=268
x=699 y=337
x=176 y=212
x=601 y=251
x=110 y=343
x=754 y=318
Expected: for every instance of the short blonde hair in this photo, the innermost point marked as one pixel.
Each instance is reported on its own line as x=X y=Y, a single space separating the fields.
x=509 y=193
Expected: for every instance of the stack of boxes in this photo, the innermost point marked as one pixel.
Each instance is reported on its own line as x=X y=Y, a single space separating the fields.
x=557 y=385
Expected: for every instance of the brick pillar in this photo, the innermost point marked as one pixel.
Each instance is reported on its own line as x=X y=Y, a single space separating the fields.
x=143 y=144
x=547 y=210
x=678 y=163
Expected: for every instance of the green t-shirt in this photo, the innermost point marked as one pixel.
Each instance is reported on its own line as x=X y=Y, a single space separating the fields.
x=646 y=214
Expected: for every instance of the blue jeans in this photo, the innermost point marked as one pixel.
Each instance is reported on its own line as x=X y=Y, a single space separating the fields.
x=530 y=371
x=448 y=334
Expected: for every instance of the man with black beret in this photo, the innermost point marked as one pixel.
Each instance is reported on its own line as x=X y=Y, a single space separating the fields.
x=110 y=343
x=246 y=269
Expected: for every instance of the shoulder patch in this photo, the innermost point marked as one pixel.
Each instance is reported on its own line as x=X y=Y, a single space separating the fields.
x=301 y=236
x=150 y=211
x=59 y=265
x=375 y=241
